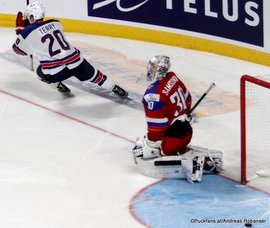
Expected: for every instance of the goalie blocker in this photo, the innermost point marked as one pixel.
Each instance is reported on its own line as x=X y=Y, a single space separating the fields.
x=191 y=165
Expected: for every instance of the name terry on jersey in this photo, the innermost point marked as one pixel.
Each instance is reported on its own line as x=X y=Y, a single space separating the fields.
x=44 y=29
x=169 y=85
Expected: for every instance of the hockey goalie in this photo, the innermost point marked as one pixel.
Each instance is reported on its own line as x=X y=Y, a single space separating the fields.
x=164 y=152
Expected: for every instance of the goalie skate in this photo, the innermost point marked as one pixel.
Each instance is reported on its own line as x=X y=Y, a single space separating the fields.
x=213 y=158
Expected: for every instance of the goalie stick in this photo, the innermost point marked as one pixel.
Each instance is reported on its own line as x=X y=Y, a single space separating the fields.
x=202 y=97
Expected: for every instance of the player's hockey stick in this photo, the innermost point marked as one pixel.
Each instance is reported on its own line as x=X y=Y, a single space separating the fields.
x=31 y=56
x=202 y=97
x=31 y=63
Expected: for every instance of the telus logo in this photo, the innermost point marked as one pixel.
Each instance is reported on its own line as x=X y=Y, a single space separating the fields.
x=241 y=20
x=230 y=9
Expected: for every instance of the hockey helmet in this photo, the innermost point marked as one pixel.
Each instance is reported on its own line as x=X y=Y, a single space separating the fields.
x=36 y=10
x=158 y=67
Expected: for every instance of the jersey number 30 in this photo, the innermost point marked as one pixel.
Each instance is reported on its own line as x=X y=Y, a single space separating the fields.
x=178 y=98
x=58 y=37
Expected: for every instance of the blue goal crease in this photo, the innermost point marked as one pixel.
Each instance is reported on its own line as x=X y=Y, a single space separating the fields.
x=213 y=202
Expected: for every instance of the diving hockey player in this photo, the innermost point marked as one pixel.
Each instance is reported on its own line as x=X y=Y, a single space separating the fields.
x=58 y=59
x=167 y=103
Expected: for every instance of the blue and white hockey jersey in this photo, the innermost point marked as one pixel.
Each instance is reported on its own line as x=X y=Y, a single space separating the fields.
x=47 y=41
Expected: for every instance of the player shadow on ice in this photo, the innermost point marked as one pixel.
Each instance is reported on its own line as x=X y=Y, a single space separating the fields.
x=37 y=90
x=134 y=101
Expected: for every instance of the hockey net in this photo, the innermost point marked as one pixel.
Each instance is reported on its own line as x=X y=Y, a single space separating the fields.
x=255 y=127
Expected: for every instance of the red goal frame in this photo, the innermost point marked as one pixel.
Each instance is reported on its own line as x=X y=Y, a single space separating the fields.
x=243 y=80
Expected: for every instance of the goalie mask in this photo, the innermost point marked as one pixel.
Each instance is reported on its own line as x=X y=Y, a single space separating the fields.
x=34 y=11
x=158 y=67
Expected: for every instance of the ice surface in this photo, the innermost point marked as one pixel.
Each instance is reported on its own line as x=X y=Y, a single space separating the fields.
x=66 y=162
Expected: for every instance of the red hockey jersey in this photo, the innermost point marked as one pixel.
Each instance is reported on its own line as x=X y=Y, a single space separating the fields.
x=165 y=101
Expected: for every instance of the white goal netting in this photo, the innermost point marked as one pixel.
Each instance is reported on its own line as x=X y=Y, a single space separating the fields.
x=257 y=124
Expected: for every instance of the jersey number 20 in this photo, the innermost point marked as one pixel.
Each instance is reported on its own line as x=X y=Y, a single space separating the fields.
x=58 y=37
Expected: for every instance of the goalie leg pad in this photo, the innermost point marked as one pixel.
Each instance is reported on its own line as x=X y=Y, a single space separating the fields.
x=173 y=167
x=161 y=167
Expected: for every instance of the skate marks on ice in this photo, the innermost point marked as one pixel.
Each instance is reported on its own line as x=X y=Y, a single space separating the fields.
x=215 y=202
x=129 y=73
x=134 y=101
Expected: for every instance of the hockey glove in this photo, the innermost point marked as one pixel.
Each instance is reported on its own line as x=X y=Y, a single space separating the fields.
x=20 y=23
x=146 y=149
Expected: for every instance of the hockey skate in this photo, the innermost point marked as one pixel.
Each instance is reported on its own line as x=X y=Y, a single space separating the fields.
x=213 y=159
x=63 y=89
x=120 y=92
x=193 y=168
x=212 y=165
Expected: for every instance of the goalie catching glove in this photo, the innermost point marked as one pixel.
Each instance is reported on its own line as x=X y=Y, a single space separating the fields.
x=146 y=148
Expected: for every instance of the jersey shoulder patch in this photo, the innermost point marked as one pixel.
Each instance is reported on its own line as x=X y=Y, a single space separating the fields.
x=152 y=97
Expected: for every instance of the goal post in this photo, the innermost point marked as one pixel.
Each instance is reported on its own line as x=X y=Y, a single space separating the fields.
x=255 y=126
